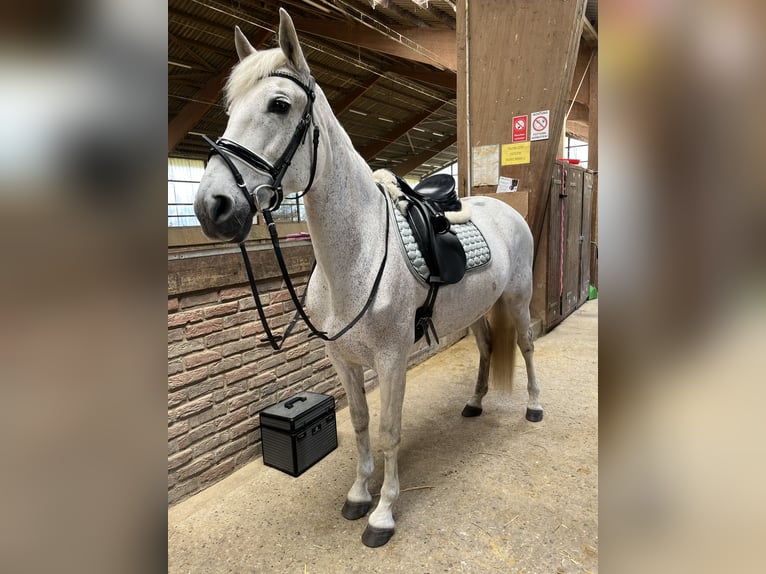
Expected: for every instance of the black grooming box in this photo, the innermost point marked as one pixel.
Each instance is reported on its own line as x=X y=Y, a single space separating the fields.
x=298 y=432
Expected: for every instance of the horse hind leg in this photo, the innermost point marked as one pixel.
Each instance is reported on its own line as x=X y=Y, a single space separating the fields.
x=480 y=330
x=521 y=317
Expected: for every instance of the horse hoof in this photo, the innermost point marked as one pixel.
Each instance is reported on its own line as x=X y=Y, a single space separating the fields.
x=355 y=510
x=470 y=411
x=534 y=415
x=374 y=537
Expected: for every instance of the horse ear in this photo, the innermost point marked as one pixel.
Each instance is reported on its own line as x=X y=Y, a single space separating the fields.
x=288 y=42
x=244 y=48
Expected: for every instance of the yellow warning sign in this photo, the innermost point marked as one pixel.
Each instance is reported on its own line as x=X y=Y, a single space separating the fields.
x=514 y=153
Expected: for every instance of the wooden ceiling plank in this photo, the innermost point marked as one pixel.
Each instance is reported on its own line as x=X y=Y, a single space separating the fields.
x=340 y=106
x=446 y=79
x=193 y=111
x=416 y=161
x=441 y=43
x=370 y=151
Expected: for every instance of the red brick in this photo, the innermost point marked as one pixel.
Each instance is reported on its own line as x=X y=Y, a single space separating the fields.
x=183 y=490
x=321 y=365
x=204 y=328
x=184 y=348
x=234 y=293
x=239 y=318
x=177 y=429
x=175 y=367
x=196 y=300
x=204 y=387
x=238 y=346
x=193 y=407
x=226 y=365
x=230 y=448
x=263 y=379
x=187 y=378
x=217 y=472
x=201 y=358
x=241 y=373
x=244 y=399
x=220 y=310
x=221 y=337
x=196 y=467
x=175 y=399
x=279 y=296
x=209 y=444
x=249 y=329
x=247 y=426
x=297 y=352
x=179 y=459
x=235 y=389
x=231 y=418
x=184 y=317
x=173 y=304
x=175 y=335
x=248 y=454
x=288 y=367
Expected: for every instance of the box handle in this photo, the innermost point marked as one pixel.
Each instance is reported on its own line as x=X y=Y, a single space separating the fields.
x=289 y=404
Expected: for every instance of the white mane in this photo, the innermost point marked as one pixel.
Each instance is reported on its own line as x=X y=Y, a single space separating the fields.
x=254 y=67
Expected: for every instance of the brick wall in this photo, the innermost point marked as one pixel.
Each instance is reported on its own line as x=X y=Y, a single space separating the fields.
x=219 y=375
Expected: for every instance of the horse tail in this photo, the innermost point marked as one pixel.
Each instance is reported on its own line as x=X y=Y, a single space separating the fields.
x=503 y=345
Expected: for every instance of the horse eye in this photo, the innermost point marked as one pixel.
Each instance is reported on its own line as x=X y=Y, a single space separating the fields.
x=279 y=105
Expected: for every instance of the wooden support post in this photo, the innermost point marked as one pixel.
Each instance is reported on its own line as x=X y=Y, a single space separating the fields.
x=593 y=165
x=519 y=58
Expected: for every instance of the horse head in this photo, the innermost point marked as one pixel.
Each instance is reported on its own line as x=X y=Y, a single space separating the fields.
x=267 y=145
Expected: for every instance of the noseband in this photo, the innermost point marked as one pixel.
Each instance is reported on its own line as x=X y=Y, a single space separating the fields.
x=228 y=149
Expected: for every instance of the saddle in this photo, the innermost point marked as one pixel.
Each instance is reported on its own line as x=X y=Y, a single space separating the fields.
x=424 y=208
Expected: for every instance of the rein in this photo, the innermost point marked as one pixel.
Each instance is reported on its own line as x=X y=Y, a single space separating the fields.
x=277 y=341
x=225 y=149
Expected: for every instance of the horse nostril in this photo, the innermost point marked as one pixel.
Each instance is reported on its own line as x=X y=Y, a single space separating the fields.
x=221 y=208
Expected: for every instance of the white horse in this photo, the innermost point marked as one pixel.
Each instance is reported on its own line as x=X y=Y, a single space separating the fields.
x=267 y=94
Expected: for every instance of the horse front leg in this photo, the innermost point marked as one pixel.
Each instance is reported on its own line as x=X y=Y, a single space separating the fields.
x=358 y=500
x=391 y=373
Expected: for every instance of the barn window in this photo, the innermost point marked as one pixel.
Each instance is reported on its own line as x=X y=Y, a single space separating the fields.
x=577 y=149
x=184 y=176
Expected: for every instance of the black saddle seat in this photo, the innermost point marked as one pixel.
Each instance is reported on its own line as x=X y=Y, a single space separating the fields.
x=438 y=190
x=440 y=247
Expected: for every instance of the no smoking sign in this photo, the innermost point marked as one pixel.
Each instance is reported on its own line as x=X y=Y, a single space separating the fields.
x=540 y=125
x=519 y=129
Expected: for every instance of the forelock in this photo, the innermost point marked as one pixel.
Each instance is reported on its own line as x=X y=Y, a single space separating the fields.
x=254 y=67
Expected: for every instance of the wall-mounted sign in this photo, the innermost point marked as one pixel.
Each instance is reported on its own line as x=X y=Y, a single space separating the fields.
x=541 y=125
x=519 y=129
x=507 y=184
x=515 y=153
x=484 y=168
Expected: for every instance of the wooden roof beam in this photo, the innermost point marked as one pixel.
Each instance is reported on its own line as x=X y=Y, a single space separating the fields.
x=440 y=43
x=416 y=161
x=446 y=79
x=185 y=120
x=589 y=33
x=375 y=148
x=340 y=106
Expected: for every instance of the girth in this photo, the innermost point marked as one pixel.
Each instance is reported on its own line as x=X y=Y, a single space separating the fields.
x=441 y=249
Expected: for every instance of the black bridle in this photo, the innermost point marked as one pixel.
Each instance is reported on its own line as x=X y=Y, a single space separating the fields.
x=226 y=149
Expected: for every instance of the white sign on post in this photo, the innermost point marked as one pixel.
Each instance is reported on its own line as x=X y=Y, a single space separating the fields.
x=540 y=125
